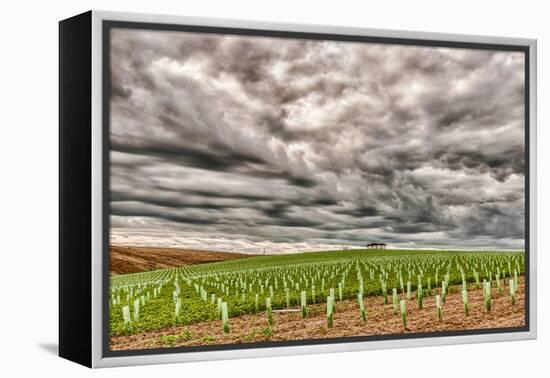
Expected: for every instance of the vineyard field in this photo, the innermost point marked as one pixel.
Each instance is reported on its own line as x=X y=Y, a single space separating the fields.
x=306 y=283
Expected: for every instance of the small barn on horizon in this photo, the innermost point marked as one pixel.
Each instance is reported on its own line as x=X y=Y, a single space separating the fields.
x=376 y=246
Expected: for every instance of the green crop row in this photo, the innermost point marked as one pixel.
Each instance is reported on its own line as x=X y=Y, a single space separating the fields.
x=181 y=296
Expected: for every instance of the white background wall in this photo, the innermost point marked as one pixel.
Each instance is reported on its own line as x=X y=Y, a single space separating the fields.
x=28 y=162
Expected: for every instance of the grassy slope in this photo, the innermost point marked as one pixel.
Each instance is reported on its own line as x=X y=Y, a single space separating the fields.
x=318 y=257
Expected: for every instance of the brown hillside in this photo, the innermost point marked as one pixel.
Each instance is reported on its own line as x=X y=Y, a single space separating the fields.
x=129 y=259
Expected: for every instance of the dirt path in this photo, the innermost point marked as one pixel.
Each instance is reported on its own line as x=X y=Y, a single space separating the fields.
x=381 y=321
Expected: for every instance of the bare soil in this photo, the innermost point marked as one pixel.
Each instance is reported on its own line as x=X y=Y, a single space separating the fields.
x=130 y=259
x=347 y=322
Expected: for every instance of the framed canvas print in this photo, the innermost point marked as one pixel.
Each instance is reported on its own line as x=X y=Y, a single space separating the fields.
x=232 y=189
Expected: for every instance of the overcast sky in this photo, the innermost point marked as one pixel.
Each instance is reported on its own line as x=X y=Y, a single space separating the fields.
x=240 y=143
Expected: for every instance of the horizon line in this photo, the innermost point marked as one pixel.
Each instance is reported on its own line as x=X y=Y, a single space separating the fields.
x=337 y=248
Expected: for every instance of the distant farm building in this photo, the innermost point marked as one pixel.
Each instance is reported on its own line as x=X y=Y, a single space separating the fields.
x=376 y=246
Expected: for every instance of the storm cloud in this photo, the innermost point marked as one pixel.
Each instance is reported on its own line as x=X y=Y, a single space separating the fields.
x=245 y=143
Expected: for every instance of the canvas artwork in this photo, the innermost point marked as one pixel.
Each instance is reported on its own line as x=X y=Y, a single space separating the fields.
x=269 y=190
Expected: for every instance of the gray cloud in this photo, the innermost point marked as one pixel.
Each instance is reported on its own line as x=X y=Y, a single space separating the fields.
x=252 y=143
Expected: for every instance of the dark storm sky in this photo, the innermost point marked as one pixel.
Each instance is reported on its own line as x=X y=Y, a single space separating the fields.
x=244 y=143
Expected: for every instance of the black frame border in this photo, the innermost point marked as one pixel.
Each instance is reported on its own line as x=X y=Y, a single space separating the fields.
x=75 y=188
x=108 y=25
